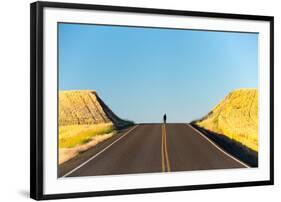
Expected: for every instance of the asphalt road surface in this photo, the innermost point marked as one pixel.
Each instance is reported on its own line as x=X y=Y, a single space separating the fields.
x=149 y=148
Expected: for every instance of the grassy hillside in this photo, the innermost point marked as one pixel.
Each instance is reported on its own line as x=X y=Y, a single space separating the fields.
x=236 y=117
x=84 y=121
x=85 y=107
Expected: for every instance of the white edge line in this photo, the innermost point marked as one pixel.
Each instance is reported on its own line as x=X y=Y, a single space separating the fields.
x=100 y=152
x=215 y=145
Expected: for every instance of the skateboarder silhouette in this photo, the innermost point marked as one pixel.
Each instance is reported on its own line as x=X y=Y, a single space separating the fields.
x=164 y=118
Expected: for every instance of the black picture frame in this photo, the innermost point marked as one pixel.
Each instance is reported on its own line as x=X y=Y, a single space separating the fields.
x=36 y=97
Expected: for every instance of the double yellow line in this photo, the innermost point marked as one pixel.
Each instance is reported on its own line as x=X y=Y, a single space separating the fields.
x=164 y=151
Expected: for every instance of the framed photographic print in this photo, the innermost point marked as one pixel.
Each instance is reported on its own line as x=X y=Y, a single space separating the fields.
x=131 y=100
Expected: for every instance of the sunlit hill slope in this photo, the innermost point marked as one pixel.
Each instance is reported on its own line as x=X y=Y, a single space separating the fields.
x=236 y=117
x=84 y=121
x=85 y=107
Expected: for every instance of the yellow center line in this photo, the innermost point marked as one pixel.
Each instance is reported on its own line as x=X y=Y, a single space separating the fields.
x=164 y=151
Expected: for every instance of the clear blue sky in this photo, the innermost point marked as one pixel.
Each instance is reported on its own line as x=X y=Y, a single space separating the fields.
x=142 y=73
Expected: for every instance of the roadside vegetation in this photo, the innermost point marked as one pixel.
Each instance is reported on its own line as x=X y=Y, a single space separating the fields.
x=84 y=121
x=236 y=117
x=74 y=135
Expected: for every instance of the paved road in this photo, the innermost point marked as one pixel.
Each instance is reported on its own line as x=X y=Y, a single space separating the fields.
x=148 y=148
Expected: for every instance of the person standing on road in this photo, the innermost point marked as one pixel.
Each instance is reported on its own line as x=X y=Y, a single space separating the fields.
x=164 y=118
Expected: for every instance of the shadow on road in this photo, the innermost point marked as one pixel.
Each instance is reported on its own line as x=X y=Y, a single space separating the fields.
x=234 y=148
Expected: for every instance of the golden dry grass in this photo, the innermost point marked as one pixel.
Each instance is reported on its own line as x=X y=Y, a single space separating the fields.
x=74 y=135
x=236 y=117
x=66 y=154
x=84 y=121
